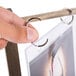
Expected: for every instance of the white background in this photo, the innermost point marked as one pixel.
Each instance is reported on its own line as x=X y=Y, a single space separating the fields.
x=30 y=7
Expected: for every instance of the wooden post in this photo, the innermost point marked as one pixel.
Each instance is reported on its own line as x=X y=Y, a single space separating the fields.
x=13 y=59
x=50 y=15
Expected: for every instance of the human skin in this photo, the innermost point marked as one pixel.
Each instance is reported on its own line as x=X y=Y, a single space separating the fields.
x=13 y=29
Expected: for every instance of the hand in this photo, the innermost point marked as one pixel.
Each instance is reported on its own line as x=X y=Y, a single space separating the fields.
x=12 y=29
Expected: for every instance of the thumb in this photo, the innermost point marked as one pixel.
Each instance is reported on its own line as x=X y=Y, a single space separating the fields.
x=17 y=34
x=32 y=34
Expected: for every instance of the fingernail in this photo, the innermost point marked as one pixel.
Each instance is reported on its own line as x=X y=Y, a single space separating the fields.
x=30 y=35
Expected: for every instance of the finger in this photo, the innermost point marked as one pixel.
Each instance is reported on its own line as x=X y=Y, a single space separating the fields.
x=3 y=43
x=17 y=34
x=10 y=17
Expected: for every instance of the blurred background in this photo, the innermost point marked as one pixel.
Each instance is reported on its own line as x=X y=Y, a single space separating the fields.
x=30 y=7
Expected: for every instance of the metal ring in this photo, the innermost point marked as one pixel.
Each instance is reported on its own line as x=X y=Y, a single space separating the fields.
x=41 y=44
x=29 y=20
x=26 y=24
x=70 y=13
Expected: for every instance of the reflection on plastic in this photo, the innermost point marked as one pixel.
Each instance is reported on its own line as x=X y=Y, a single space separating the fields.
x=40 y=59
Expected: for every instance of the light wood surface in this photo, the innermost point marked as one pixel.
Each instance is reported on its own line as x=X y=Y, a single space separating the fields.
x=50 y=15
